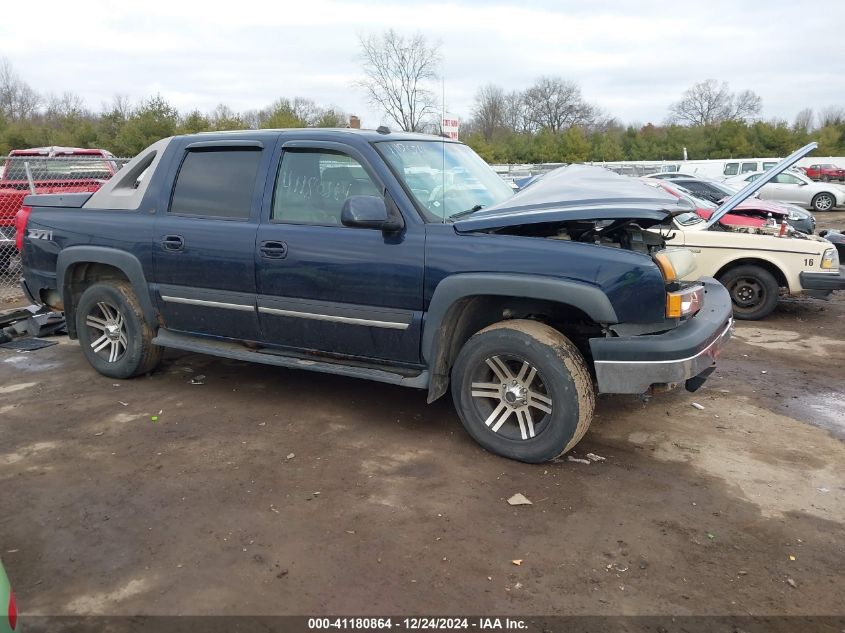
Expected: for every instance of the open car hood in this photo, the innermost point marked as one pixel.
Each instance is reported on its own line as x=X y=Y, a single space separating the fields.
x=577 y=192
x=755 y=185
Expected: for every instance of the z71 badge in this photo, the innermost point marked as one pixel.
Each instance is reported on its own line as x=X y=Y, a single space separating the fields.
x=40 y=234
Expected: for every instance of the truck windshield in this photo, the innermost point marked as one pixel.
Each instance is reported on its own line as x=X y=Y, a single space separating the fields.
x=62 y=168
x=444 y=178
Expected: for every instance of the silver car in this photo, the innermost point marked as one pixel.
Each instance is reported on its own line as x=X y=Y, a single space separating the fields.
x=796 y=188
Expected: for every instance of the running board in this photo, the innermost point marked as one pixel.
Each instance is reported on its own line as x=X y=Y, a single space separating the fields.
x=236 y=351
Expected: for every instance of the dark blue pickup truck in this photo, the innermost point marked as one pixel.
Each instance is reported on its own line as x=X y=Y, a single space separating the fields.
x=399 y=258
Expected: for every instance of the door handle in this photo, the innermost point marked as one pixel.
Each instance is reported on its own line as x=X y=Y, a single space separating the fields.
x=273 y=250
x=173 y=242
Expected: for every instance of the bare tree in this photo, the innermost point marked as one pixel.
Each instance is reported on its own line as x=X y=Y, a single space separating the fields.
x=515 y=112
x=397 y=71
x=710 y=102
x=67 y=106
x=489 y=110
x=17 y=99
x=804 y=121
x=832 y=115
x=556 y=104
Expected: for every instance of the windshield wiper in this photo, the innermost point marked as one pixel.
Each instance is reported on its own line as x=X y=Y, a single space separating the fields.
x=463 y=214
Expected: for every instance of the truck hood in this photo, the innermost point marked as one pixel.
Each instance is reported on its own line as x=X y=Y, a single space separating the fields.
x=577 y=192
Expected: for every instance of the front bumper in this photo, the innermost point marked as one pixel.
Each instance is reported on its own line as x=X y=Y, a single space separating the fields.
x=822 y=284
x=633 y=364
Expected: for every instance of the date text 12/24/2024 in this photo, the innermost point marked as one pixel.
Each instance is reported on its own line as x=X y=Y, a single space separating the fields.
x=416 y=623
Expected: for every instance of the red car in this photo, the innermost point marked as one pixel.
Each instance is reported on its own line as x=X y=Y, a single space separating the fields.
x=750 y=212
x=825 y=172
x=53 y=170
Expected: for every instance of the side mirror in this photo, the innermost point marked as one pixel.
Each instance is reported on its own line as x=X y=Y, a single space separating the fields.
x=801 y=183
x=368 y=212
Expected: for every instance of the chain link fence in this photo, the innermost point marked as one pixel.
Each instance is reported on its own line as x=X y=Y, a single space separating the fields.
x=41 y=172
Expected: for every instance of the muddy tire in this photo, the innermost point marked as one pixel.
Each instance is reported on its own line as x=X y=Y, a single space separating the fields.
x=115 y=338
x=753 y=290
x=523 y=391
x=823 y=202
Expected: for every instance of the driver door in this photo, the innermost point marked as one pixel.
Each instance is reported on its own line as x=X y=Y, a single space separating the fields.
x=787 y=188
x=329 y=288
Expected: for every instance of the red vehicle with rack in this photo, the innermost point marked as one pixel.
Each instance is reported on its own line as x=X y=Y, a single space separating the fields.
x=51 y=170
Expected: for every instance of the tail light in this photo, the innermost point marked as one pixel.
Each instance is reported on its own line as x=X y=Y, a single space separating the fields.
x=13 y=611
x=21 y=220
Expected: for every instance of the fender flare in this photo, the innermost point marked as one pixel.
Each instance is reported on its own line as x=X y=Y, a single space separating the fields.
x=123 y=261
x=588 y=298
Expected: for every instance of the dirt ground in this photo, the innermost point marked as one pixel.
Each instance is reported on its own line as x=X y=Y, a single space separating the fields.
x=268 y=491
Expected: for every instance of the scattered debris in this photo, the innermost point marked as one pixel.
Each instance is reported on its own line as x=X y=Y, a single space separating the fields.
x=569 y=458
x=274 y=509
x=791 y=557
x=350 y=531
x=792 y=583
x=517 y=562
x=711 y=536
x=290 y=456
x=824 y=490
x=282 y=573
x=12 y=551
x=742 y=572
x=154 y=419
x=596 y=458
x=697 y=406
x=519 y=499
x=197 y=380
x=125 y=404
x=98 y=434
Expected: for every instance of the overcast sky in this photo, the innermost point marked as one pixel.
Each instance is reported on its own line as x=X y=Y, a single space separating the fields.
x=631 y=58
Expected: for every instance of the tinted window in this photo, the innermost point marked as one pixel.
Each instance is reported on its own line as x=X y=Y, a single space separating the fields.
x=731 y=169
x=312 y=186
x=747 y=168
x=216 y=183
x=768 y=165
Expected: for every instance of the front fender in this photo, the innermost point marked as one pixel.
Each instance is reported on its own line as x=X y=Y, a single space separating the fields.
x=449 y=294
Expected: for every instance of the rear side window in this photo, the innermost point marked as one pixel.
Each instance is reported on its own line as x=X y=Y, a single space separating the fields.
x=216 y=183
x=747 y=168
x=731 y=169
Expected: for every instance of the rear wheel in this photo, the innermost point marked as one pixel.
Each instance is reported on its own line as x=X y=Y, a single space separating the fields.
x=115 y=338
x=523 y=391
x=823 y=201
x=753 y=290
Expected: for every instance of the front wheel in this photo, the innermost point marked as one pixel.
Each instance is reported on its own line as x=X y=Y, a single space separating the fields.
x=823 y=202
x=523 y=391
x=115 y=337
x=753 y=290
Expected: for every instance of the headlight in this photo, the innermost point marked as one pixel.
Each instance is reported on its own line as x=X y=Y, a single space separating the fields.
x=830 y=259
x=684 y=302
x=675 y=263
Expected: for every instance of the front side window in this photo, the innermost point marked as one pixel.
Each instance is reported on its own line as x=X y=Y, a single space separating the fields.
x=216 y=183
x=787 y=179
x=444 y=178
x=731 y=169
x=312 y=186
x=768 y=165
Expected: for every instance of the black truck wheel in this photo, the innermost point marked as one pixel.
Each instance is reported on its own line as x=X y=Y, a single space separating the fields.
x=114 y=336
x=753 y=290
x=523 y=391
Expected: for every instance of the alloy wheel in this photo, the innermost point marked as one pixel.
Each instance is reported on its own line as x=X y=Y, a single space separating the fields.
x=107 y=329
x=511 y=397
